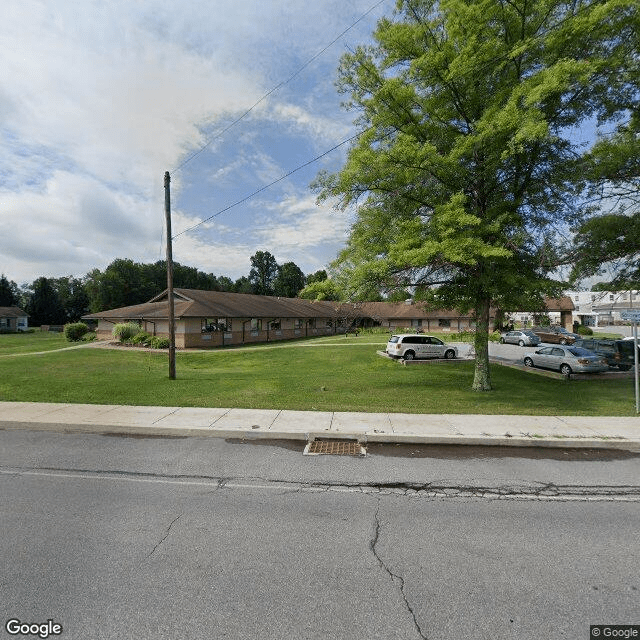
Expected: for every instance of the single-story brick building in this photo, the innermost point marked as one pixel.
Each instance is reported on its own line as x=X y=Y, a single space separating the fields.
x=220 y=318
x=413 y=316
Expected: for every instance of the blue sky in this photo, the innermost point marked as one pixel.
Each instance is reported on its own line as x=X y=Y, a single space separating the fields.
x=98 y=99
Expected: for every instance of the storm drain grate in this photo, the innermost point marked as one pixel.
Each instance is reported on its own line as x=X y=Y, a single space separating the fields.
x=334 y=448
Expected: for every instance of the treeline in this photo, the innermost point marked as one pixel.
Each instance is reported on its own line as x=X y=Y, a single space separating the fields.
x=124 y=283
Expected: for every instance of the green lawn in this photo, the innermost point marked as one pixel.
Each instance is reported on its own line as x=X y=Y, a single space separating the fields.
x=29 y=342
x=331 y=374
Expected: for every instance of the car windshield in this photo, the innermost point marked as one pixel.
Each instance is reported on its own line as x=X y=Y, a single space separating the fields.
x=580 y=352
x=530 y=334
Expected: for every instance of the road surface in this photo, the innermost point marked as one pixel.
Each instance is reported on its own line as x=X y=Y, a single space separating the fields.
x=116 y=537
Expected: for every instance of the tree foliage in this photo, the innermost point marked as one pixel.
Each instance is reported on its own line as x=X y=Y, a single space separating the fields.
x=289 y=281
x=610 y=241
x=9 y=293
x=464 y=172
x=44 y=305
x=321 y=290
x=264 y=270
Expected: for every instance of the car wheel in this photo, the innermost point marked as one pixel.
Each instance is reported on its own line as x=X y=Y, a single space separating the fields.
x=521 y=343
x=501 y=340
x=450 y=354
x=624 y=367
x=565 y=369
x=528 y=362
x=409 y=355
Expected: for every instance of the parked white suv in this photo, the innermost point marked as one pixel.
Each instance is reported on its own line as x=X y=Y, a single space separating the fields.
x=410 y=346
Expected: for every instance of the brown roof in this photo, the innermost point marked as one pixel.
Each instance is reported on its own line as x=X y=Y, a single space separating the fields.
x=559 y=304
x=194 y=303
x=12 y=312
x=403 y=311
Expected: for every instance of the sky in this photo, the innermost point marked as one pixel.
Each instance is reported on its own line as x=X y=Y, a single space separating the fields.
x=99 y=98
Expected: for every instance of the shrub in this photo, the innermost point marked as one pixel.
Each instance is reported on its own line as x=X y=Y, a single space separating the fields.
x=74 y=331
x=124 y=331
x=142 y=337
x=156 y=342
x=585 y=331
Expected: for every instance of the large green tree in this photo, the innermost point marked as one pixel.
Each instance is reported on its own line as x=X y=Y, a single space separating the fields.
x=9 y=293
x=289 y=281
x=609 y=242
x=44 y=305
x=264 y=270
x=463 y=177
x=73 y=297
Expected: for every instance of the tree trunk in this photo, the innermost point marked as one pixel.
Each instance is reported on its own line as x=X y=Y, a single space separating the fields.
x=482 y=375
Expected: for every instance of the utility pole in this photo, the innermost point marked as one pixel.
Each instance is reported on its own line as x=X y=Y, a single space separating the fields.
x=172 y=324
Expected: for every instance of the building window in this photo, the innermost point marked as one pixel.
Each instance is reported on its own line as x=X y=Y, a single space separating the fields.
x=256 y=324
x=576 y=298
x=444 y=323
x=274 y=325
x=611 y=297
x=216 y=324
x=297 y=323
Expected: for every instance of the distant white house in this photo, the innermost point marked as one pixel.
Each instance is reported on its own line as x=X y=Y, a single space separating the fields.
x=602 y=308
x=13 y=319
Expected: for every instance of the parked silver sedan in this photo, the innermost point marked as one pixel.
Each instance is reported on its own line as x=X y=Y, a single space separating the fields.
x=523 y=338
x=567 y=360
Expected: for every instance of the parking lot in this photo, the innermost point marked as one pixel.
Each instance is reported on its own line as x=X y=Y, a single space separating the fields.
x=514 y=354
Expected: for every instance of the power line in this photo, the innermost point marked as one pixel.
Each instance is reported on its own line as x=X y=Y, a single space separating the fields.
x=267 y=186
x=278 y=86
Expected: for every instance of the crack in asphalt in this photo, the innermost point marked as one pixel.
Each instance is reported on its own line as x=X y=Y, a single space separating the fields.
x=538 y=490
x=395 y=578
x=166 y=535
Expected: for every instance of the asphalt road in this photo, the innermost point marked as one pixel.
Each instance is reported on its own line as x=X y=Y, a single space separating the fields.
x=115 y=537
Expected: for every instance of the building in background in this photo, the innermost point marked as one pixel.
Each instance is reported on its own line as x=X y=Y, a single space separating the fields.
x=602 y=308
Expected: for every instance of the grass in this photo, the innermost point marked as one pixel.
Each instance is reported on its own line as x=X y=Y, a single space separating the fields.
x=11 y=343
x=329 y=374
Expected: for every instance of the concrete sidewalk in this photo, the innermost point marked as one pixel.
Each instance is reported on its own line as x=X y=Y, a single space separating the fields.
x=540 y=431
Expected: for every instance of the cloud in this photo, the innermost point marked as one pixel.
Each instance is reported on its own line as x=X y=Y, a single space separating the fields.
x=322 y=129
x=53 y=221
x=299 y=224
x=98 y=100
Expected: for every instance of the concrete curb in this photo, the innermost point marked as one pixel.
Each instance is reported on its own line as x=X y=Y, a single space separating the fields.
x=179 y=422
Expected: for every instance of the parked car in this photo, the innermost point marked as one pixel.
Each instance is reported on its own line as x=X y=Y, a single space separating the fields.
x=524 y=338
x=410 y=346
x=555 y=335
x=617 y=353
x=566 y=360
